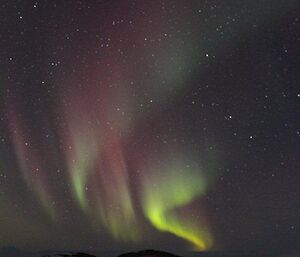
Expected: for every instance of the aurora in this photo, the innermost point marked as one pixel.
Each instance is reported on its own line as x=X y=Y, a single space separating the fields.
x=168 y=125
x=164 y=196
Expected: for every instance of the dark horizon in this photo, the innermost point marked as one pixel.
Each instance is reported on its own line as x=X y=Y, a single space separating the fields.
x=114 y=253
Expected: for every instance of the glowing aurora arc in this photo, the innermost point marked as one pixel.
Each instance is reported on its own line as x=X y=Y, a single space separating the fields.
x=162 y=199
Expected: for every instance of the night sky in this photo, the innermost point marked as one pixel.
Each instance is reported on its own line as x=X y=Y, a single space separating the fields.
x=150 y=124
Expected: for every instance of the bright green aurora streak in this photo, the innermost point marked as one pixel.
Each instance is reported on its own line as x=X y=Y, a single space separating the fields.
x=164 y=197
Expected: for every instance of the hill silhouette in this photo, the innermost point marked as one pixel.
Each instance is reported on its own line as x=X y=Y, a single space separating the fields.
x=148 y=253
x=144 y=253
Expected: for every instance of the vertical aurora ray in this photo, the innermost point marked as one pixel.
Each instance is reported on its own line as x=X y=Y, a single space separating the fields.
x=166 y=194
x=82 y=153
x=81 y=137
x=116 y=207
x=30 y=164
x=96 y=163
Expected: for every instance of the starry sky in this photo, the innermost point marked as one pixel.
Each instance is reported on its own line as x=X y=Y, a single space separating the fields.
x=150 y=124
